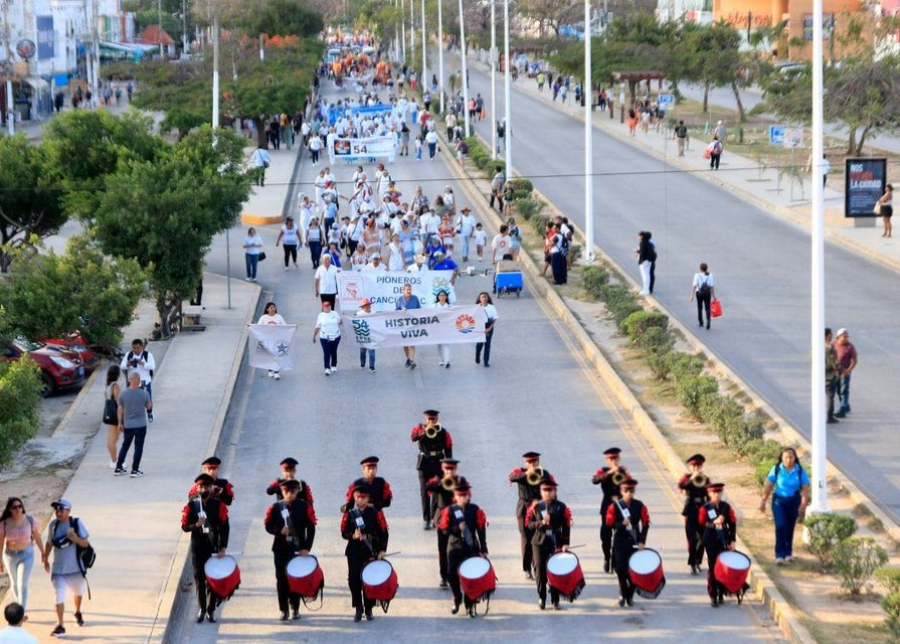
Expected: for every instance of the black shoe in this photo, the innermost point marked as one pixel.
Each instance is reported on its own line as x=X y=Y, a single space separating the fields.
x=79 y=619
x=408 y=362
x=444 y=583
x=714 y=602
x=295 y=614
x=201 y=616
x=412 y=364
x=529 y=576
x=621 y=602
x=486 y=364
x=542 y=604
x=555 y=605
x=840 y=414
x=694 y=570
x=210 y=617
x=59 y=631
x=369 y=615
x=455 y=609
x=477 y=359
x=427 y=525
x=629 y=601
x=284 y=616
x=606 y=567
x=471 y=611
x=832 y=421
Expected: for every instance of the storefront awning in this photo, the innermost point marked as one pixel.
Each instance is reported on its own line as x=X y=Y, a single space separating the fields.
x=37 y=82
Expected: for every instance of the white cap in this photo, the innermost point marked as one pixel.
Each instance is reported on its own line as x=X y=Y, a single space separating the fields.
x=841 y=332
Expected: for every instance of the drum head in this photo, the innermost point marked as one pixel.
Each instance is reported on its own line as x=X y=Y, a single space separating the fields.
x=644 y=562
x=474 y=568
x=376 y=573
x=301 y=566
x=562 y=563
x=217 y=568
x=735 y=560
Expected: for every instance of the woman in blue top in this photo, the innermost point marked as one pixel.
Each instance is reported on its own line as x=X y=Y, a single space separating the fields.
x=790 y=484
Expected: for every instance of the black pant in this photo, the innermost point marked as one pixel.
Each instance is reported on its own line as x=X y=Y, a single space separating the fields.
x=498 y=197
x=137 y=435
x=329 y=351
x=290 y=254
x=199 y=557
x=351 y=247
x=328 y=297
x=559 y=267
x=442 y=539
x=703 y=304
x=540 y=555
x=484 y=346
x=694 y=534
x=606 y=534
x=428 y=501
x=714 y=548
x=314 y=155
x=455 y=557
x=355 y=565
x=652 y=275
x=714 y=161
x=286 y=599
x=525 y=536
x=623 y=548
x=831 y=387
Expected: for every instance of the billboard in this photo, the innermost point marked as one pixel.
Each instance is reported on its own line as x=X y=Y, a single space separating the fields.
x=865 y=182
x=46 y=39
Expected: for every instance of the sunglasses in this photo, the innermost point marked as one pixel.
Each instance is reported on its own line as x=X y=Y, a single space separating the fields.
x=17 y=506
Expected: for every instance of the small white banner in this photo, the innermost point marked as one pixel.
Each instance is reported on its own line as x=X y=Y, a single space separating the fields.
x=273 y=346
x=455 y=325
x=361 y=149
x=385 y=288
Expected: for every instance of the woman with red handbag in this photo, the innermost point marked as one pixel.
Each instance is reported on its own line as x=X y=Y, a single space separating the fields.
x=704 y=291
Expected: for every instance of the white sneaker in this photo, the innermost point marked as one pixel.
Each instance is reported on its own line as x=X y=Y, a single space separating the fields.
x=277 y=376
x=334 y=370
x=112 y=465
x=328 y=372
x=789 y=560
x=779 y=561
x=271 y=374
x=285 y=268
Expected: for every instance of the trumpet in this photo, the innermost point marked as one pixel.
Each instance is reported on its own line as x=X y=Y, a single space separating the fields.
x=535 y=476
x=448 y=483
x=432 y=430
x=699 y=480
x=619 y=477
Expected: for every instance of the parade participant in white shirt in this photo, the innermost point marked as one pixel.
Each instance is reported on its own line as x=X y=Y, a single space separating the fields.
x=500 y=246
x=484 y=299
x=320 y=182
x=465 y=225
x=290 y=234
x=395 y=256
x=325 y=281
x=365 y=308
x=443 y=302
x=306 y=208
x=328 y=332
x=271 y=316
x=375 y=266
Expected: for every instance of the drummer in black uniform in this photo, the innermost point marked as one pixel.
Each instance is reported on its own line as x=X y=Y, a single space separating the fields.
x=528 y=479
x=288 y=473
x=694 y=485
x=630 y=521
x=221 y=488
x=206 y=519
x=435 y=443
x=441 y=489
x=379 y=489
x=550 y=521
x=465 y=525
x=292 y=521
x=609 y=478
x=366 y=532
x=719 y=524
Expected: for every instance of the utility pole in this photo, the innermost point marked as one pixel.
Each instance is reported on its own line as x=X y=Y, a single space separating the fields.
x=507 y=91
x=186 y=48
x=10 y=113
x=465 y=75
x=95 y=85
x=159 y=15
x=403 y=28
x=441 y=52
x=493 y=59
x=215 y=125
x=424 y=59
x=588 y=93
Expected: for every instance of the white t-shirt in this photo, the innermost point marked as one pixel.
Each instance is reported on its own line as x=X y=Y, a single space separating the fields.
x=291 y=236
x=327 y=279
x=16 y=635
x=500 y=244
x=466 y=224
x=480 y=237
x=431 y=137
x=265 y=318
x=371 y=268
x=700 y=278
x=491 y=312
x=315 y=143
x=329 y=325
x=252 y=245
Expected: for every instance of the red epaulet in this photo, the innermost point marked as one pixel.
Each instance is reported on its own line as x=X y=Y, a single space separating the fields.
x=344 y=522
x=645 y=515
x=444 y=521
x=381 y=520
x=448 y=440
x=611 y=514
x=268 y=514
x=480 y=518
x=193 y=490
x=311 y=513
x=569 y=518
x=223 y=512
x=387 y=493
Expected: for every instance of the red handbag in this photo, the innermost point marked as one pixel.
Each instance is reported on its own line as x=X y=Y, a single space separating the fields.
x=715 y=308
x=707 y=154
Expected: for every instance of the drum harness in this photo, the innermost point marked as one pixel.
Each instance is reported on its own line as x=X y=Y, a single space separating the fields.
x=308 y=602
x=470 y=540
x=623 y=510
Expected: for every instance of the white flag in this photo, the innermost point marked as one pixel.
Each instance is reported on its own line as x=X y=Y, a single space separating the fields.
x=273 y=346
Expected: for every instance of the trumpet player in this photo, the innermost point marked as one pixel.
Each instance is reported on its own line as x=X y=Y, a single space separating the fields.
x=528 y=479
x=289 y=473
x=435 y=444
x=441 y=490
x=609 y=478
x=221 y=488
x=379 y=489
x=694 y=486
x=550 y=522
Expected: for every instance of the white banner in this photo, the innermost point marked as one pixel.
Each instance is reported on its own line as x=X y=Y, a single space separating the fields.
x=360 y=149
x=273 y=346
x=455 y=325
x=385 y=288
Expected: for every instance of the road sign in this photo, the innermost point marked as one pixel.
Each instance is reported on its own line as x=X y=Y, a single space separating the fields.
x=776 y=134
x=793 y=137
x=26 y=48
x=666 y=100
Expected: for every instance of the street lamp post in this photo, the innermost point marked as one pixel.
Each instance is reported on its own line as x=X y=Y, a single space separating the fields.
x=493 y=78
x=424 y=60
x=507 y=90
x=441 y=52
x=159 y=33
x=403 y=27
x=215 y=124
x=588 y=95
x=462 y=54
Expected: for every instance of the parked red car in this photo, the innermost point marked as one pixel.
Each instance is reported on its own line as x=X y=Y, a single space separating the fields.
x=60 y=369
x=76 y=343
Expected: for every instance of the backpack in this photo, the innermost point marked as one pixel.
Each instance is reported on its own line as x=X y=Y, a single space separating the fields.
x=130 y=357
x=717 y=147
x=681 y=131
x=86 y=556
x=705 y=291
x=563 y=243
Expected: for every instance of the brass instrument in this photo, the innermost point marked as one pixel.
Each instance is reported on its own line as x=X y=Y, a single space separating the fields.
x=448 y=483
x=432 y=430
x=535 y=476
x=619 y=477
x=700 y=480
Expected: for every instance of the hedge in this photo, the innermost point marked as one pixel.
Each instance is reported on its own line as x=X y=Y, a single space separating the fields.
x=529 y=207
x=639 y=322
x=593 y=278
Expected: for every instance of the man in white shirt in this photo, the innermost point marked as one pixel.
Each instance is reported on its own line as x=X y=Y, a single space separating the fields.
x=500 y=245
x=15 y=633
x=141 y=362
x=375 y=266
x=466 y=226
x=426 y=224
x=325 y=281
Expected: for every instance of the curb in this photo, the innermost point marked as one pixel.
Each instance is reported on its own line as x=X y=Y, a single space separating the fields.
x=169 y=607
x=259 y=220
x=79 y=398
x=782 y=612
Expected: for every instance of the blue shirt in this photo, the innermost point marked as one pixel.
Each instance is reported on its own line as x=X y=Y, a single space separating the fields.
x=445 y=264
x=412 y=303
x=788 y=482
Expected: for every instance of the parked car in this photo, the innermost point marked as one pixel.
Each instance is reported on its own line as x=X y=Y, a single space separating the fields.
x=60 y=369
x=75 y=342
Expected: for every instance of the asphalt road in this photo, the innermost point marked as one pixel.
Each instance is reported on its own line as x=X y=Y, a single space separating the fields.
x=535 y=396
x=761 y=267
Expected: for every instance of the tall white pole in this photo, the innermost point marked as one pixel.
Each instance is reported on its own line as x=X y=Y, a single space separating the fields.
x=441 y=52
x=159 y=33
x=186 y=44
x=412 y=26
x=464 y=71
x=424 y=82
x=215 y=124
x=95 y=47
x=403 y=28
x=262 y=48
x=588 y=94
x=396 y=35
x=493 y=58
x=507 y=90
x=817 y=329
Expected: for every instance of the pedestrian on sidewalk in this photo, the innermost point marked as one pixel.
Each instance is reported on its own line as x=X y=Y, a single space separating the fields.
x=142 y=361
x=290 y=235
x=18 y=534
x=681 y=136
x=847 y=361
x=252 y=245
x=260 y=160
x=490 y=311
x=111 y=413
x=328 y=326
x=705 y=291
x=714 y=152
x=497 y=184
x=645 y=259
x=832 y=376
x=886 y=209
x=720 y=132
x=65 y=535
x=409 y=302
x=788 y=484
x=271 y=316
x=365 y=308
x=134 y=403
x=15 y=632
x=325 y=281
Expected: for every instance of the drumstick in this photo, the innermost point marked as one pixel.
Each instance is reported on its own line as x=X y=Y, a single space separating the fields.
x=391 y=554
x=580 y=545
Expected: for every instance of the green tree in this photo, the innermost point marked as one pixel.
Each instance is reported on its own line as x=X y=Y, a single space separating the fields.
x=20 y=395
x=281 y=17
x=714 y=59
x=164 y=212
x=29 y=200
x=81 y=290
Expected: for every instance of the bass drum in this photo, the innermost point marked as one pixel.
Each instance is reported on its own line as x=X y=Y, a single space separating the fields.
x=564 y=575
x=477 y=578
x=222 y=576
x=379 y=580
x=305 y=576
x=732 y=569
x=646 y=571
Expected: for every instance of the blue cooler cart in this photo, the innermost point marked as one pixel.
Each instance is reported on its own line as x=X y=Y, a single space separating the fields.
x=508 y=278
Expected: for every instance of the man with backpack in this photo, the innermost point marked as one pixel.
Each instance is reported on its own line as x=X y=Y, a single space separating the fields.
x=141 y=361
x=681 y=135
x=67 y=538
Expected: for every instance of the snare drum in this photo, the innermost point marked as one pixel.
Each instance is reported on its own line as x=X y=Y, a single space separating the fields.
x=477 y=578
x=222 y=576
x=379 y=581
x=564 y=575
x=305 y=576
x=732 y=568
x=646 y=571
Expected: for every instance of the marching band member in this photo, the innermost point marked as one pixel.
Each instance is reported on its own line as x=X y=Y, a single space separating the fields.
x=693 y=484
x=435 y=443
x=206 y=519
x=630 y=521
x=441 y=490
x=465 y=525
x=550 y=521
x=719 y=524
x=609 y=478
x=528 y=479
x=366 y=531
x=221 y=488
x=289 y=473
x=292 y=521
x=379 y=489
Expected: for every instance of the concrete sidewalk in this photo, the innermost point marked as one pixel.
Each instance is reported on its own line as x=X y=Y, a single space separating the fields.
x=268 y=204
x=738 y=174
x=134 y=523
